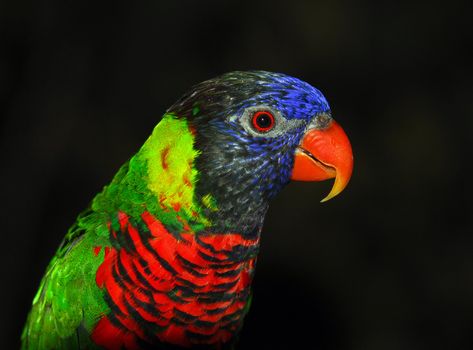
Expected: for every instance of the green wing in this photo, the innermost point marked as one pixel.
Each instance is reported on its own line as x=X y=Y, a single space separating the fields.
x=68 y=302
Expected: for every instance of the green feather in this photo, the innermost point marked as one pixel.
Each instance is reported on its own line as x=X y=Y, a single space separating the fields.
x=69 y=303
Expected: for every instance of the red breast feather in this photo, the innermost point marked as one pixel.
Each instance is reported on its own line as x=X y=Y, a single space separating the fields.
x=186 y=290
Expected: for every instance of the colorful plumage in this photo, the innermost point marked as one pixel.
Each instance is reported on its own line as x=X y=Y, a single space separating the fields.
x=166 y=252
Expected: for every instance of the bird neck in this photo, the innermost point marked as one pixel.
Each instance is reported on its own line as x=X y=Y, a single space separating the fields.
x=164 y=178
x=159 y=179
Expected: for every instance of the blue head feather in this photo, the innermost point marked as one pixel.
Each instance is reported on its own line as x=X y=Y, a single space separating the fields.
x=295 y=98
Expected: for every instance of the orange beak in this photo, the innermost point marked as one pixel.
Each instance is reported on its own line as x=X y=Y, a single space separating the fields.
x=322 y=155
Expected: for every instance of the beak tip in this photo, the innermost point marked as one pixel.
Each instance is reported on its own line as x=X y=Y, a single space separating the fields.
x=341 y=181
x=328 y=197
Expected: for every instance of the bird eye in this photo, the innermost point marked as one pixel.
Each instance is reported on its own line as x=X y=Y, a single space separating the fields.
x=263 y=121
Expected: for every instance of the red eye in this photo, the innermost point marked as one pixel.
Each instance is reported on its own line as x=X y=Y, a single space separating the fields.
x=263 y=121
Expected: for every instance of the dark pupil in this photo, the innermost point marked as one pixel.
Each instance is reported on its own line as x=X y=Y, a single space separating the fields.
x=263 y=121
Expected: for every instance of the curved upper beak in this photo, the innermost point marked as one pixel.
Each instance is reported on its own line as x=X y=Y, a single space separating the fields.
x=324 y=154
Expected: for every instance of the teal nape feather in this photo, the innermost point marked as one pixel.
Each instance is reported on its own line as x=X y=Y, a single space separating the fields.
x=166 y=253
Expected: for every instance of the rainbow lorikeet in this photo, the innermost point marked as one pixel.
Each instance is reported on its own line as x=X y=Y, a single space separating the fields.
x=166 y=253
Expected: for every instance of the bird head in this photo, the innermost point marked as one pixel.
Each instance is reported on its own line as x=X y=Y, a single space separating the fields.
x=254 y=132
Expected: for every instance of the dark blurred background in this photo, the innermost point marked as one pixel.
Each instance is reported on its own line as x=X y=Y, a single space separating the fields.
x=386 y=265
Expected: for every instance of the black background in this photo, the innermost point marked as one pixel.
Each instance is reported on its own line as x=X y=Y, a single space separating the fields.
x=386 y=265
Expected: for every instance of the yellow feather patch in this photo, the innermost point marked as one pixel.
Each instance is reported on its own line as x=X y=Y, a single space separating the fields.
x=170 y=153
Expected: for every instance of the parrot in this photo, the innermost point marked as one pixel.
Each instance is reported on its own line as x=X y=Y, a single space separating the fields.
x=164 y=256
